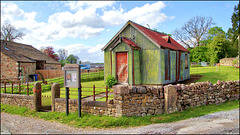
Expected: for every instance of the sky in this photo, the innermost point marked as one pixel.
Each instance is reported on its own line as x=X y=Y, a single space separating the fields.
x=84 y=27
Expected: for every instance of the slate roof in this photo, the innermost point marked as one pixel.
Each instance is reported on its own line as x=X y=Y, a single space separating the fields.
x=159 y=39
x=24 y=53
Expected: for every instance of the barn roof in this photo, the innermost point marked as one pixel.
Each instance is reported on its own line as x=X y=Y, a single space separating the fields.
x=159 y=39
x=24 y=53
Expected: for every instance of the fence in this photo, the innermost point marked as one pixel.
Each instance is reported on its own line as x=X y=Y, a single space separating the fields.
x=14 y=87
x=86 y=75
x=87 y=93
x=49 y=74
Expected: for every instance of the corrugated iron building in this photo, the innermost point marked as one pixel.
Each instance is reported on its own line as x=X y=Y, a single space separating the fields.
x=138 y=55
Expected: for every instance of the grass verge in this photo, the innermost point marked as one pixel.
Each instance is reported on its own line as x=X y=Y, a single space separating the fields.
x=97 y=121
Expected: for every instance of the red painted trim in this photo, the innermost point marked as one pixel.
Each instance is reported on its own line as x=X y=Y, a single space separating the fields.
x=133 y=67
x=176 y=67
x=169 y=65
x=179 y=62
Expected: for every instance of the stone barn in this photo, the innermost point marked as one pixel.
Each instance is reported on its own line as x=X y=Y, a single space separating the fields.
x=23 y=60
x=137 y=55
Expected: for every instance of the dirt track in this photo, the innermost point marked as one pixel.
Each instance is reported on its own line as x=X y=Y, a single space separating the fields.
x=226 y=122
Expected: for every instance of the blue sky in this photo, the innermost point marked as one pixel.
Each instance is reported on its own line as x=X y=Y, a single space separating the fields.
x=83 y=28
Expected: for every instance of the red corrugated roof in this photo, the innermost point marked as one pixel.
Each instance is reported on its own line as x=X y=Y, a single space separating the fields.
x=130 y=42
x=161 y=39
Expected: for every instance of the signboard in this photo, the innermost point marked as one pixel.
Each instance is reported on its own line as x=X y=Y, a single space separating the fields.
x=72 y=75
x=72 y=78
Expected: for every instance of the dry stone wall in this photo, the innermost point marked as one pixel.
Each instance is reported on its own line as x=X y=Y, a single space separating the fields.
x=17 y=100
x=152 y=100
x=204 y=93
x=138 y=100
x=93 y=107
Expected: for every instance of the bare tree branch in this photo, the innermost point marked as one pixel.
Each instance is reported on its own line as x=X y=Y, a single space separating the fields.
x=193 y=31
x=10 y=33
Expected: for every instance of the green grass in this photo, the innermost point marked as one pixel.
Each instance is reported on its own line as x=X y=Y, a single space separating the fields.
x=212 y=74
x=97 y=121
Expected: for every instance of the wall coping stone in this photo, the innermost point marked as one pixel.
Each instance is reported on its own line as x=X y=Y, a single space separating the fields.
x=95 y=103
x=16 y=96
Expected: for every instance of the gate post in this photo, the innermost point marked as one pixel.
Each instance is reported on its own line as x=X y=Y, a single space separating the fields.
x=170 y=94
x=37 y=96
x=55 y=91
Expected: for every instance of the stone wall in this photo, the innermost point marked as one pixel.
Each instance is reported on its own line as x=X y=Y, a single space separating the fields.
x=18 y=100
x=28 y=69
x=138 y=100
x=228 y=61
x=8 y=67
x=152 y=100
x=204 y=93
x=93 y=107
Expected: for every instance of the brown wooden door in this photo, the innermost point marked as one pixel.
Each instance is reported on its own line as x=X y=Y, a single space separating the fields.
x=122 y=67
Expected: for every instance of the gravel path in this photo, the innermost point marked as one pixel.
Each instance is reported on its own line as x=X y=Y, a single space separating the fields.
x=225 y=122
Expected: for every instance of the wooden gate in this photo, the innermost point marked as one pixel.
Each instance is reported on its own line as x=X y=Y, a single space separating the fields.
x=122 y=67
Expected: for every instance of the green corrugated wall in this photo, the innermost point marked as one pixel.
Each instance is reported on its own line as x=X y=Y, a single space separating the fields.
x=149 y=62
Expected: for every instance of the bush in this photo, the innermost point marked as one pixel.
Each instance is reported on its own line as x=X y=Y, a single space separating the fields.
x=111 y=81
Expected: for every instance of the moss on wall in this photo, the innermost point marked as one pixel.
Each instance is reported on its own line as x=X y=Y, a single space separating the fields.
x=137 y=63
x=150 y=66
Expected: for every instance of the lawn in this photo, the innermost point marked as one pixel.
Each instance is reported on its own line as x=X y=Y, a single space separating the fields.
x=73 y=91
x=212 y=74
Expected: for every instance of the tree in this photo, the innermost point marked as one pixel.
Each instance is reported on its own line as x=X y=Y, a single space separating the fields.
x=10 y=33
x=194 y=31
x=63 y=54
x=215 y=47
x=218 y=48
x=234 y=32
x=198 y=54
x=49 y=52
x=72 y=59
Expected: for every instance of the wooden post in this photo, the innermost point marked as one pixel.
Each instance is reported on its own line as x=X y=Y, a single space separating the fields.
x=67 y=97
x=27 y=89
x=37 y=96
x=93 y=92
x=19 y=87
x=12 y=87
x=106 y=93
x=55 y=91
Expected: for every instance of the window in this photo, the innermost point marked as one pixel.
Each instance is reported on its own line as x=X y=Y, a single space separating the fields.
x=186 y=61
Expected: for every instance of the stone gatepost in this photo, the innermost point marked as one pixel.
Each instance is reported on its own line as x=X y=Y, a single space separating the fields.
x=119 y=91
x=55 y=91
x=170 y=95
x=37 y=96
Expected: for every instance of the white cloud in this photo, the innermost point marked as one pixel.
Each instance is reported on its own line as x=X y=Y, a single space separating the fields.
x=81 y=5
x=147 y=14
x=85 y=19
